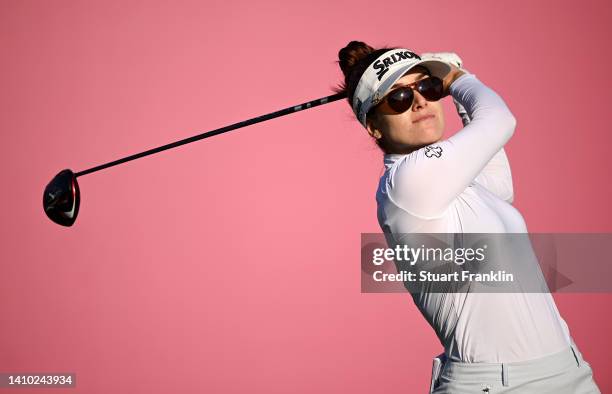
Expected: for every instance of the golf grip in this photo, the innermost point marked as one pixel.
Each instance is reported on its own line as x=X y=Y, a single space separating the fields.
x=262 y=118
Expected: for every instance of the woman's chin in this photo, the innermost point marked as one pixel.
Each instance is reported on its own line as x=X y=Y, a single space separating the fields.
x=431 y=135
x=429 y=139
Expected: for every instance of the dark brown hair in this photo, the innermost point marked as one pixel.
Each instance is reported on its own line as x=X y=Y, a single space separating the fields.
x=354 y=59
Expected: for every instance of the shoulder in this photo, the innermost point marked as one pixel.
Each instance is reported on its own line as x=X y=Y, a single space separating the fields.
x=416 y=163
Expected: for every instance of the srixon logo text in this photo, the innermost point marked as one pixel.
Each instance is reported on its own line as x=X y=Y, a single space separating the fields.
x=382 y=65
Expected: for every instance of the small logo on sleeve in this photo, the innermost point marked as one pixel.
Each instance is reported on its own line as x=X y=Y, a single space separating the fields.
x=433 y=151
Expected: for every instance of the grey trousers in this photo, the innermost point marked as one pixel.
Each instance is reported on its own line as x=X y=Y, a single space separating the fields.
x=565 y=372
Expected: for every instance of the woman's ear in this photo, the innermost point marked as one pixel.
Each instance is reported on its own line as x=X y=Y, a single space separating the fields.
x=372 y=127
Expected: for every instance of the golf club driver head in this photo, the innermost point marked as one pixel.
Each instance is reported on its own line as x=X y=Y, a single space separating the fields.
x=61 y=198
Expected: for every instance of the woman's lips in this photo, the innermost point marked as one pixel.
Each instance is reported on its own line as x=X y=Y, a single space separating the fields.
x=424 y=118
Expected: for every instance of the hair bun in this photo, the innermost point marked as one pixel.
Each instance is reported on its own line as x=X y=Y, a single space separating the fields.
x=351 y=54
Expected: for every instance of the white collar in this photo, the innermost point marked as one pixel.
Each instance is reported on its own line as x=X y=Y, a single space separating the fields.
x=390 y=158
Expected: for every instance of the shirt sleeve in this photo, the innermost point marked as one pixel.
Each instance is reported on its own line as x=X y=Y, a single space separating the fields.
x=427 y=180
x=497 y=177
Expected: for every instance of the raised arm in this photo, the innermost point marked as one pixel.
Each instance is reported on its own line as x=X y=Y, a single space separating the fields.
x=426 y=181
x=496 y=175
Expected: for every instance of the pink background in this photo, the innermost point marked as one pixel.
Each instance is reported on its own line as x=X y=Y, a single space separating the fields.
x=232 y=265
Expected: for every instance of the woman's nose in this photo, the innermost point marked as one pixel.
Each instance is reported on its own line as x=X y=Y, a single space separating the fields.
x=419 y=100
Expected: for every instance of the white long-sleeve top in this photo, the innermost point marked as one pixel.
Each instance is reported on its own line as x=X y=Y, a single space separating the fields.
x=464 y=185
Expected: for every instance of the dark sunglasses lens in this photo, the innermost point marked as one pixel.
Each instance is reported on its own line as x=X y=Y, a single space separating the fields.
x=431 y=88
x=400 y=100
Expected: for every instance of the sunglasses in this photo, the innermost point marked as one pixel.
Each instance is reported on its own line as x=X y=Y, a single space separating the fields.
x=400 y=99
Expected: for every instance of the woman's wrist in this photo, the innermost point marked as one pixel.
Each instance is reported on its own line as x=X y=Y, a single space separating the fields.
x=451 y=77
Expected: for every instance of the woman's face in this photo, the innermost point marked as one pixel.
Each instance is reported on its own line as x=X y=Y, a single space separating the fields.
x=405 y=132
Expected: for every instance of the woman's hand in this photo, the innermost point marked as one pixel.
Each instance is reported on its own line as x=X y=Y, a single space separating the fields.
x=453 y=60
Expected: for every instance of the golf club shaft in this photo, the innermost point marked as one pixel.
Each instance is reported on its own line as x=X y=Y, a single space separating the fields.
x=262 y=118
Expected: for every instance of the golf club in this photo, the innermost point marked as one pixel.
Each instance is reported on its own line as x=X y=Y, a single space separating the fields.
x=61 y=198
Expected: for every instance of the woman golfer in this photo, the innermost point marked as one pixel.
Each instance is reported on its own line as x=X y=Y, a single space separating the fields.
x=493 y=343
